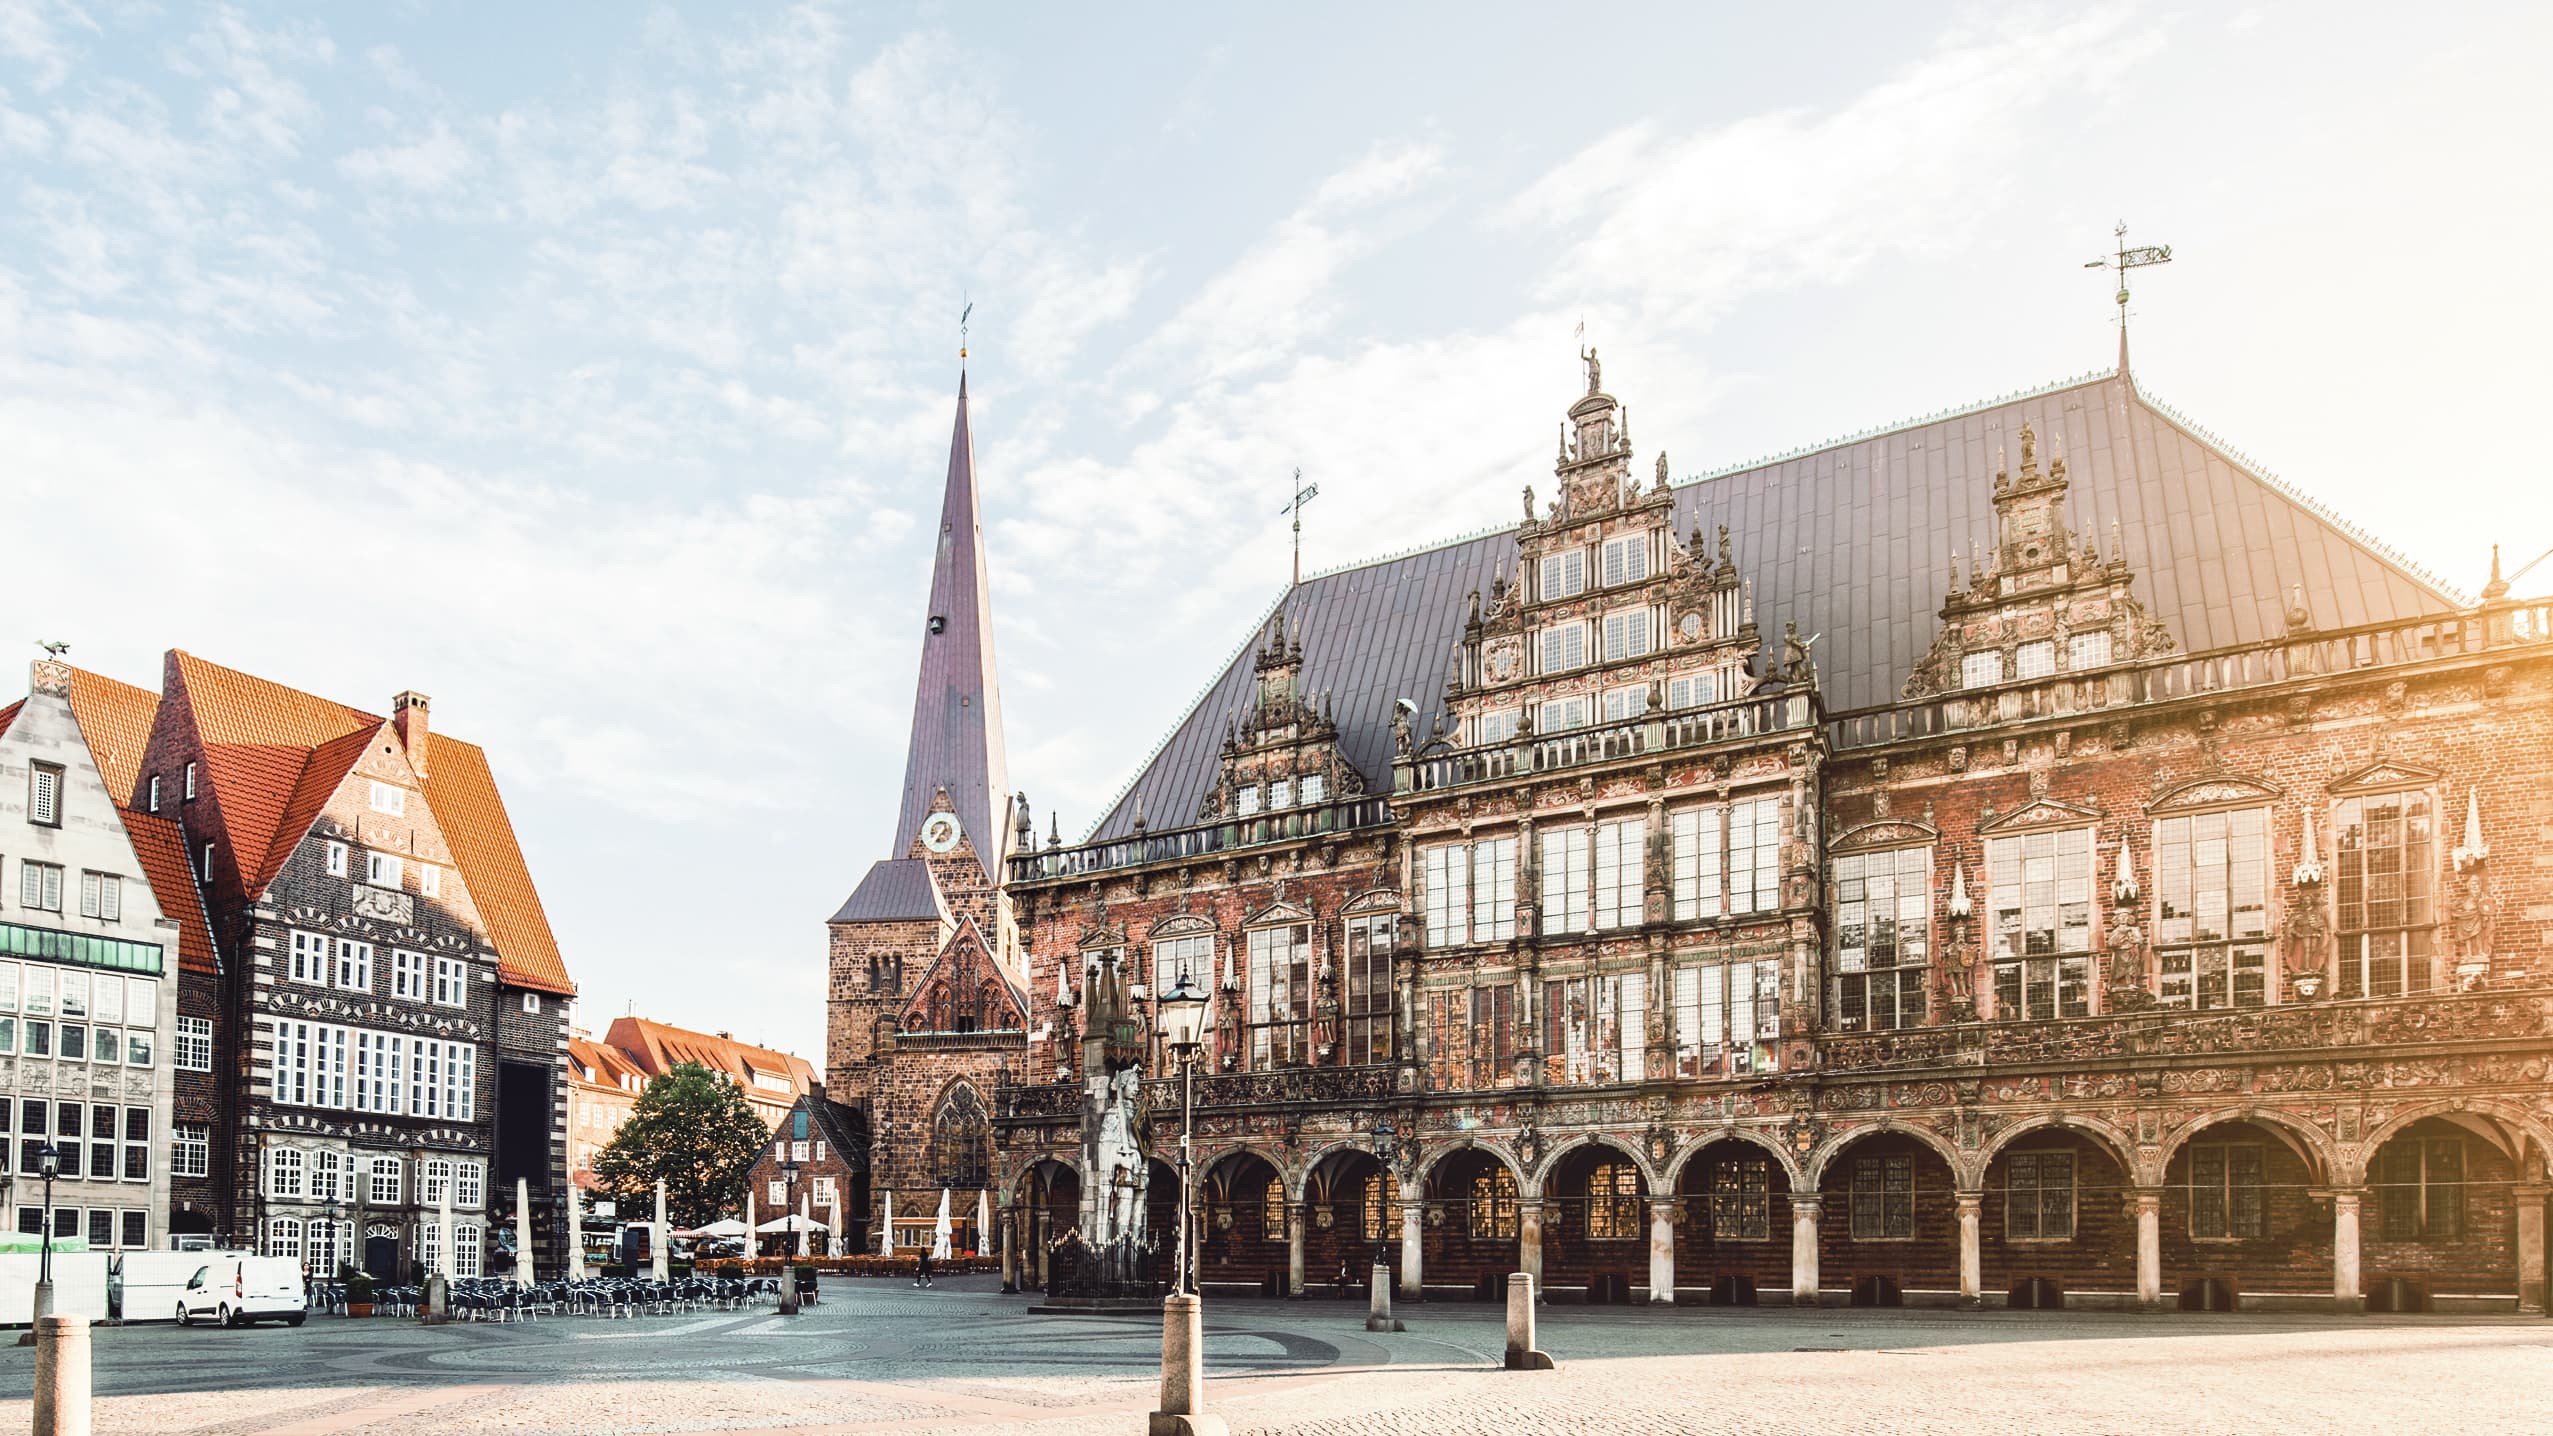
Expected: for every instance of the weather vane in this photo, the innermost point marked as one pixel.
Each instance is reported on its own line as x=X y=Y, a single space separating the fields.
x=2120 y=263
x=1303 y=494
x=962 y=316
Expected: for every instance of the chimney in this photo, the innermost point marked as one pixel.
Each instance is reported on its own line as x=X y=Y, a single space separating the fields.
x=408 y=715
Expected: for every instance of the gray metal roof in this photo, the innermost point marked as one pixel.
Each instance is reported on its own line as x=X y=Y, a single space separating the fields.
x=1853 y=541
x=895 y=890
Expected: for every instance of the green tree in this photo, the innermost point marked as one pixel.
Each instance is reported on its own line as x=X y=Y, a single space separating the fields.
x=694 y=1130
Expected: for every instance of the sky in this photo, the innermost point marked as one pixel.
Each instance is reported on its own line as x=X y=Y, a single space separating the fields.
x=589 y=367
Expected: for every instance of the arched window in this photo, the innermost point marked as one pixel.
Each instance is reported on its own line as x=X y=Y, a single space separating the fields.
x=1613 y=1202
x=1382 y=1205
x=961 y=1140
x=283 y=1238
x=1493 y=1204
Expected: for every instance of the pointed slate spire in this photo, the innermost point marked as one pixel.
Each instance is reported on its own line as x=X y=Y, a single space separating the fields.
x=957 y=702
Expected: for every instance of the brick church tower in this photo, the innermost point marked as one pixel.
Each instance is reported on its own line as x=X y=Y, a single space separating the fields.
x=924 y=1005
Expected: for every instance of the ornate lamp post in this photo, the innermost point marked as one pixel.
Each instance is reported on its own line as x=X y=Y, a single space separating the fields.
x=1183 y=1372
x=52 y=1158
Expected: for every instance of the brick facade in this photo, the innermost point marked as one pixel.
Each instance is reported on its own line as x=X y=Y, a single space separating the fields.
x=2091 y=970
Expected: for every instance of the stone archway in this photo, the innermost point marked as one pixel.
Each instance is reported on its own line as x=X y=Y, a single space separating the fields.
x=1733 y=1222
x=1595 y=1223
x=2056 y=1209
x=1047 y=1209
x=1471 y=1223
x=1352 y=1209
x=1244 y=1211
x=1887 y=1221
x=2245 y=1215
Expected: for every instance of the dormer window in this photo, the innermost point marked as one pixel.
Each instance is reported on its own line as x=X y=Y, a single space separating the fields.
x=1981 y=670
x=2035 y=660
x=1564 y=575
x=1626 y=560
x=2088 y=650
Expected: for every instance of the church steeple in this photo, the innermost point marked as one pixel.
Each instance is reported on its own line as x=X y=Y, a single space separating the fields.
x=957 y=701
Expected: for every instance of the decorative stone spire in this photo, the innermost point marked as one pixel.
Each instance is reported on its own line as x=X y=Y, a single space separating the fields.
x=2124 y=891
x=2309 y=861
x=956 y=740
x=2472 y=852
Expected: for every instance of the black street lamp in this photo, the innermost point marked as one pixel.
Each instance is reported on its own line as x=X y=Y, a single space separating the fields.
x=52 y=1159
x=788 y=1243
x=1183 y=1025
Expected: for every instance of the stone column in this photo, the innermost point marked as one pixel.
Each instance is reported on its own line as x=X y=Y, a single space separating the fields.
x=1413 y=1228
x=2149 y=1249
x=1183 y=1373
x=1662 y=1251
x=575 y=1231
x=1972 y=1266
x=1529 y=1239
x=2348 y=1292
x=1804 y=1249
x=1009 y=1241
x=1295 y=1215
x=2531 y=1293
x=61 y=1406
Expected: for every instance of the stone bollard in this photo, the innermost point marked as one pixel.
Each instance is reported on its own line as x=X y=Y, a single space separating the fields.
x=438 y=1301
x=1183 y=1372
x=62 y=1376
x=1378 y=1307
x=1521 y=1355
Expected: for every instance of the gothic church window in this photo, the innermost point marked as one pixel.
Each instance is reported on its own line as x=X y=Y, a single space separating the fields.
x=1613 y=1202
x=1883 y=1199
x=1883 y=937
x=1280 y=995
x=2212 y=909
x=961 y=1141
x=1741 y=1200
x=1492 y=1215
x=2039 y=1196
x=2227 y=1191
x=1368 y=1034
x=2420 y=1189
x=2387 y=893
x=2039 y=913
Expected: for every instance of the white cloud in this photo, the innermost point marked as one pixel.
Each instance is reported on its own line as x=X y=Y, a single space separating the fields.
x=430 y=164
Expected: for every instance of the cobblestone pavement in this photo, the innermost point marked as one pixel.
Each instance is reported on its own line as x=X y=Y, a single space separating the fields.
x=881 y=1356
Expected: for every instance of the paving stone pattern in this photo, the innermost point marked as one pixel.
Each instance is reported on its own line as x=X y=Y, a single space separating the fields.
x=879 y=1356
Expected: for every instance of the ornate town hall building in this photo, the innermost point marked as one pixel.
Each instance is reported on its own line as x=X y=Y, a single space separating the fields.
x=2026 y=856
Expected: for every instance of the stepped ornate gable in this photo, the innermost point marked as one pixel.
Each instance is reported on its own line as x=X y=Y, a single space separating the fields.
x=2025 y=857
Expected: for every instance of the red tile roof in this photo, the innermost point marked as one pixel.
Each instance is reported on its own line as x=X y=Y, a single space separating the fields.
x=609 y=1064
x=115 y=721
x=461 y=789
x=277 y=754
x=659 y=1047
x=161 y=847
x=10 y=713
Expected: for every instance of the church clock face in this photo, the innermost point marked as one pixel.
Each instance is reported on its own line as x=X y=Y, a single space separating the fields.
x=939 y=833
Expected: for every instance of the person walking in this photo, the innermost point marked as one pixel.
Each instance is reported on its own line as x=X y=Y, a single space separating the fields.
x=922 y=1267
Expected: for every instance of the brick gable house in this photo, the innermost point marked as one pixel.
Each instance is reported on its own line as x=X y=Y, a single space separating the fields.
x=2022 y=857
x=390 y=1012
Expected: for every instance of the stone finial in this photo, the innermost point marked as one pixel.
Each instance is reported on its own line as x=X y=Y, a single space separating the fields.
x=2300 y=619
x=2497 y=588
x=2472 y=852
x=2118 y=543
x=1961 y=905
x=2124 y=890
x=2309 y=862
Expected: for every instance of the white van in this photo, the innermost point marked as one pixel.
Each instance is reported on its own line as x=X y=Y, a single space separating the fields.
x=236 y=1290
